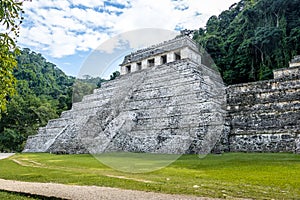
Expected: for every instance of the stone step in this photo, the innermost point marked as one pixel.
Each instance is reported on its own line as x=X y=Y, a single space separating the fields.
x=262 y=86
x=99 y=97
x=82 y=112
x=264 y=130
x=192 y=120
x=167 y=101
x=291 y=130
x=102 y=89
x=100 y=94
x=85 y=105
x=181 y=89
x=37 y=143
x=145 y=116
x=117 y=87
x=160 y=134
x=264 y=97
x=166 y=71
x=170 y=77
x=183 y=109
x=153 y=79
x=132 y=77
x=160 y=83
x=54 y=131
x=283 y=142
x=280 y=106
x=266 y=120
x=59 y=122
x=171 y=90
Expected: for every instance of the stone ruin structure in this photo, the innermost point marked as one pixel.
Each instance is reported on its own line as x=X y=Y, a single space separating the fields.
x=264 y=116
x=166 y=101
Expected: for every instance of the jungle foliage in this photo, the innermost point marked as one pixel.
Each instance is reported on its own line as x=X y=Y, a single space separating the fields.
x=252 y=38
x=43 y=92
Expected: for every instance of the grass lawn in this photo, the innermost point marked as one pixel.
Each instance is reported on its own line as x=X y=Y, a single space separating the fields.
x=244 y=175
x=9 y=196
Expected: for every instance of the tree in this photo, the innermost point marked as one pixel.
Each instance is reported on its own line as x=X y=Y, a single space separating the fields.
x=11 y=18
x=114 y=75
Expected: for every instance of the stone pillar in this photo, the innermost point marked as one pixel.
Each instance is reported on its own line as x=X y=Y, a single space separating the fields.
x=170 y=57
x=157 y=61
x=134 y=67
x=144 y=64
x=123 y=70
x=185 y=53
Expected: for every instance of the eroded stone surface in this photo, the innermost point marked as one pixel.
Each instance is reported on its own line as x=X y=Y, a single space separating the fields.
x=173 y=108
x=265 y=116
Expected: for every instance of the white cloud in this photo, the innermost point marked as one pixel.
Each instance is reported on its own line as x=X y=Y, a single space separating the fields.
x=61 y=27
x=87 y=3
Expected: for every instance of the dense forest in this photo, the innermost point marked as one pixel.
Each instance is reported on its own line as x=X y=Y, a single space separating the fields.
x=252 y=38
x=43 y=91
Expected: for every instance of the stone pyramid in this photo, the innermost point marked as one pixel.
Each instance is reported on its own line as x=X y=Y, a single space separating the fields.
x=165 y=101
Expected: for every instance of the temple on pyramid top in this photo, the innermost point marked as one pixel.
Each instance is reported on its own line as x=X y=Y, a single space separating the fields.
x=181 y=47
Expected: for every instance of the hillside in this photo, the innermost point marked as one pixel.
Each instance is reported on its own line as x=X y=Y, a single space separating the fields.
x=43 y=92
x=252 y=38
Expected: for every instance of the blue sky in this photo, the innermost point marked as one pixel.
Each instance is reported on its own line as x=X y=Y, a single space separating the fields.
x=67 y=32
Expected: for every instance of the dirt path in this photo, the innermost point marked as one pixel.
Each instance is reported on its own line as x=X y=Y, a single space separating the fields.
x=86 y=192
x=5 y=155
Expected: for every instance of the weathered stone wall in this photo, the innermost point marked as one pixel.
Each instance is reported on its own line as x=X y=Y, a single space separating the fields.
x=265 y=116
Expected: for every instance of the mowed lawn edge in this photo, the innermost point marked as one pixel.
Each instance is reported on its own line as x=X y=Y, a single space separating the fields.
x=238 y=175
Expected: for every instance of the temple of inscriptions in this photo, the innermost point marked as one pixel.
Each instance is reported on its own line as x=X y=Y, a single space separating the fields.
x=166 y=101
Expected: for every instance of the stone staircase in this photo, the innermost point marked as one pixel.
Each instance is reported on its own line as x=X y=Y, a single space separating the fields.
x=173 y=108
x=265 y=115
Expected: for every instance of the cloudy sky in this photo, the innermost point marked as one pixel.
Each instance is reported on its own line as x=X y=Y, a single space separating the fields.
x=67 y=31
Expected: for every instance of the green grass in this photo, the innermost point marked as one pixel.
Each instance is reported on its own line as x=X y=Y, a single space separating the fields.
x=241 y=175
x=9 y=196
